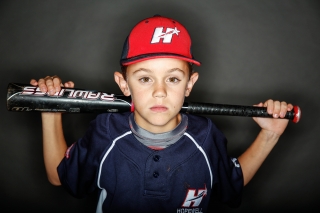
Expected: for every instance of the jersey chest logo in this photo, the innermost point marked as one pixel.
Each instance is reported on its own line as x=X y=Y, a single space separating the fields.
x=194 y=197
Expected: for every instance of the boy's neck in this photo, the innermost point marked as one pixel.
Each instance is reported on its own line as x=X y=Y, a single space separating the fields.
x=158 y=141
x=156 y=129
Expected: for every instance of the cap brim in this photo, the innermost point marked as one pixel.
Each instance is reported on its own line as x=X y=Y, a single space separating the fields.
x=128 y=61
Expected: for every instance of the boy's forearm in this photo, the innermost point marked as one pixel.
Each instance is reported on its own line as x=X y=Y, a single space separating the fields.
x=54 y=144
x=254 y=156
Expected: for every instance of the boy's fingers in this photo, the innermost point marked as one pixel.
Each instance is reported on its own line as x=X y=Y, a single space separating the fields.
x=56 y=83
x=42 y=85
x=283 y=109
x=276 y=109
x=49 y=84
x=289 y=107
x=269 y=105
x=259 y=104
x=69 y=84
x=33 y=82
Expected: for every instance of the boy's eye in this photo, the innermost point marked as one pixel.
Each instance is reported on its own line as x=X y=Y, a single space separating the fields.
x=145 y=79
x=173 y=80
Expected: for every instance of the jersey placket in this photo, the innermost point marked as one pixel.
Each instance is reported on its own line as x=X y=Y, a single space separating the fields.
x=155 y=178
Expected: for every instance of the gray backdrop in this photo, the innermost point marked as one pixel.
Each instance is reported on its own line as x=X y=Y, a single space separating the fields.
x=250 y=51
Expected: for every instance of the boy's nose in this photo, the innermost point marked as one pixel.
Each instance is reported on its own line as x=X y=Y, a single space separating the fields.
x=159 y=91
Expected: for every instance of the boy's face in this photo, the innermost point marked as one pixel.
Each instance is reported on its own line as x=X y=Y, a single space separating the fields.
x=157 y=87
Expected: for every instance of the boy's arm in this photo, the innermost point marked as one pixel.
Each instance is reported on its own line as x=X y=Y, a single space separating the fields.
x=271 y=130
x=54 y=144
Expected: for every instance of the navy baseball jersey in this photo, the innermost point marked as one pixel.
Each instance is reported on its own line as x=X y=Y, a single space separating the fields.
x=131 y=177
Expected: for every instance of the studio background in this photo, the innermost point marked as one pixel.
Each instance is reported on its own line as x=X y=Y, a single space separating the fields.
x=250 y=51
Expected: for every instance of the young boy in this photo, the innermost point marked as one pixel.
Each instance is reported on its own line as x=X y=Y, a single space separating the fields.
x=155 y=159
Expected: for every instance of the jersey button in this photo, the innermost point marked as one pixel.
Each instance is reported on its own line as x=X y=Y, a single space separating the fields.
x=155 y=174
x=156 y=158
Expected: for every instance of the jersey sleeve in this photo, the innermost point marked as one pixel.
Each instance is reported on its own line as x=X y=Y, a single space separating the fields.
x=228 y=177
x=78 y=170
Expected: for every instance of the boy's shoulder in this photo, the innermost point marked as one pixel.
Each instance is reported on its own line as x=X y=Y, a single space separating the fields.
x=198 y=122
x=112 y=123
x=201 y=127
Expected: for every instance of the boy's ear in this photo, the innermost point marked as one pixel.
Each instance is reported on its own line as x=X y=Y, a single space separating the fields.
x=193 y=79
x=122 y=83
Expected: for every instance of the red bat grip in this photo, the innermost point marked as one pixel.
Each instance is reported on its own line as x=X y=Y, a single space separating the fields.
x=236 y=110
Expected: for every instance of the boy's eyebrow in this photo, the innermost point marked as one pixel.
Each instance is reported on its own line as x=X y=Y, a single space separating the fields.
x=141 y=69
x=176 y=69
x=169 y=71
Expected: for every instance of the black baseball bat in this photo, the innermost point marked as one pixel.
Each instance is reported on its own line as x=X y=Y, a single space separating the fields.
x=27 y=98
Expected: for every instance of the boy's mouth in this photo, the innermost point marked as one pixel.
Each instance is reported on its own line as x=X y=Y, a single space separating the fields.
x=158 y=108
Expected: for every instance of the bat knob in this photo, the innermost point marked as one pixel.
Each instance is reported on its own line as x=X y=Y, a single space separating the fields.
x=297 y=114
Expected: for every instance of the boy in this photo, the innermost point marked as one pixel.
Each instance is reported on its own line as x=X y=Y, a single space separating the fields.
x=154 y=159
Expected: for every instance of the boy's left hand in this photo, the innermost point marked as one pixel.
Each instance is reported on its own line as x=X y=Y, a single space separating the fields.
x=278 y=110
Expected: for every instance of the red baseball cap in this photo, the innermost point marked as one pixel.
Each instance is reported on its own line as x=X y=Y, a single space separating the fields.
x=157 y=37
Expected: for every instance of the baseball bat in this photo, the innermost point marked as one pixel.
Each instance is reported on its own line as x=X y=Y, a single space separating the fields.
x=27 y=98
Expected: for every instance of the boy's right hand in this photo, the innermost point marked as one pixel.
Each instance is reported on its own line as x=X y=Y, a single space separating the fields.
x=51 y=84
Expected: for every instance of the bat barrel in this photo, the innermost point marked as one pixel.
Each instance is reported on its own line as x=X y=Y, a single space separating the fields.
x=21 y=97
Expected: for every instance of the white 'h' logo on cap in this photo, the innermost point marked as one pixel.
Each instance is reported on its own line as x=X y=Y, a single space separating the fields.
x=167 y=36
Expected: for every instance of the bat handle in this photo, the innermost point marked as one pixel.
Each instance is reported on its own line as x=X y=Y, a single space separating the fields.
x=236 y=110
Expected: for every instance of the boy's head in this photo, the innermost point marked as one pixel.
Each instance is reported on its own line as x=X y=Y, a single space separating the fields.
x=157 y=72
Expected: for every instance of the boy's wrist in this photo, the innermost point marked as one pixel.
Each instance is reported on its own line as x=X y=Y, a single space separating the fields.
x=51 y=116
x=269 y=135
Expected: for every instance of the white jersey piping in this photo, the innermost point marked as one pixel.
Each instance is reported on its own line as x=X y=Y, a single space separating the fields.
x=203 y=152
x=103 y=194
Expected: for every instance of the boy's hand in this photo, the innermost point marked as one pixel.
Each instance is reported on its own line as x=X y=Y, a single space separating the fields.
x=51 y=84
x=271 y=130
x=276 y=109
